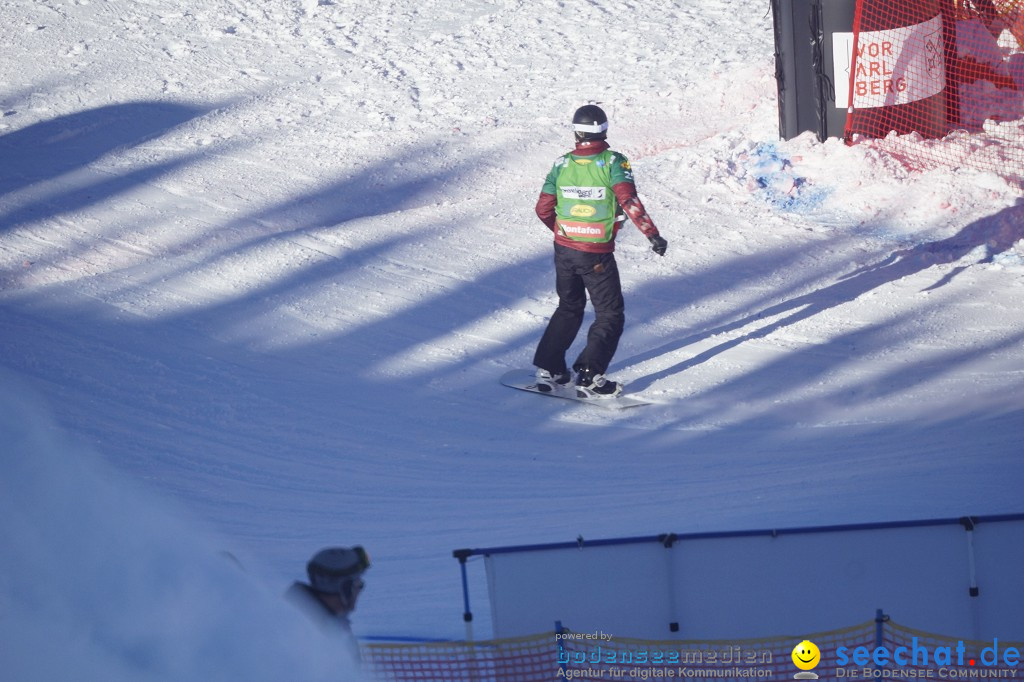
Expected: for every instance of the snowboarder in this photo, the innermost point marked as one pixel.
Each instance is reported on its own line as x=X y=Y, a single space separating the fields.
x=335 y=581
x=585 y=198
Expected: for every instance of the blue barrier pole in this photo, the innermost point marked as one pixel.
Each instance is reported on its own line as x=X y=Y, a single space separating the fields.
x=467 y=615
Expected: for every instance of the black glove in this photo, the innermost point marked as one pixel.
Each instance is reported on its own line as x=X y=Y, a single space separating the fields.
x=658 y=244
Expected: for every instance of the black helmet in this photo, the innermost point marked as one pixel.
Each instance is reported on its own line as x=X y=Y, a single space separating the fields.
x=590 y=123
x=336 y=569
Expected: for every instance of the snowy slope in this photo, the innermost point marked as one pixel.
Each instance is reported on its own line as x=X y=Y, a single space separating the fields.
x=267 y=260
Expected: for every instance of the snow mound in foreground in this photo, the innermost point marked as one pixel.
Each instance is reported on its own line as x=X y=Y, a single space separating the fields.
x=99 y=581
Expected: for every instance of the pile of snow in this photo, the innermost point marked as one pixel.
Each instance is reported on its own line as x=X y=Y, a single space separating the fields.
x=99 y=580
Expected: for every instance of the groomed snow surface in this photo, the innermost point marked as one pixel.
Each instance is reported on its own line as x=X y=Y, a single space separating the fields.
x=262 y=264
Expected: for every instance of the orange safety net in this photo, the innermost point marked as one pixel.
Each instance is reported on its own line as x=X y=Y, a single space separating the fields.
x=529 y=659
x=939 y=83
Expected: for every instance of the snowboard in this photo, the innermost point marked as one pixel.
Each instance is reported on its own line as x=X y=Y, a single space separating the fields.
x=524 y=380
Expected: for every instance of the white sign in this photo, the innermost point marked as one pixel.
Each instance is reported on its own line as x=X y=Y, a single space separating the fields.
x=895 y=66
x=589 y=193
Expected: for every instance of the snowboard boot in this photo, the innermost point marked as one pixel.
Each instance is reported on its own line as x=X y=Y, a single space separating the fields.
x=592 y=385
x=548 y=382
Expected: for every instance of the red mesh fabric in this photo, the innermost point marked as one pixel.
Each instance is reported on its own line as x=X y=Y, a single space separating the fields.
x=940 y=82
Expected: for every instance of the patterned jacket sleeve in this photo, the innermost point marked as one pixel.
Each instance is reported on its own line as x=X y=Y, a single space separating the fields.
x=546 y=209
x=625 y=192
x=547 y=200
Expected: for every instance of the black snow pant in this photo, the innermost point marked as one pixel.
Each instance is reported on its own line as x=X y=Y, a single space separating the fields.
x=578 y=273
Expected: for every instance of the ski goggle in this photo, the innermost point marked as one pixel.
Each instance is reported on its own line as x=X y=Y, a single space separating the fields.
x=590 y=127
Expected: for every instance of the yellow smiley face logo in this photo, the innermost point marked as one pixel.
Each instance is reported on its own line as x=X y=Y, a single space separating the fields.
x=806 y=655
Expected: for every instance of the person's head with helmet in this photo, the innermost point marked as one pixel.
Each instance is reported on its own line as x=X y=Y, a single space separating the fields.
x=335 y=577
x=590 y=123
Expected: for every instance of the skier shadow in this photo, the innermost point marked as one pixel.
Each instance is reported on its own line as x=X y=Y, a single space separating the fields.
x=991 y=236
x=368 y=191
x=50 y=149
